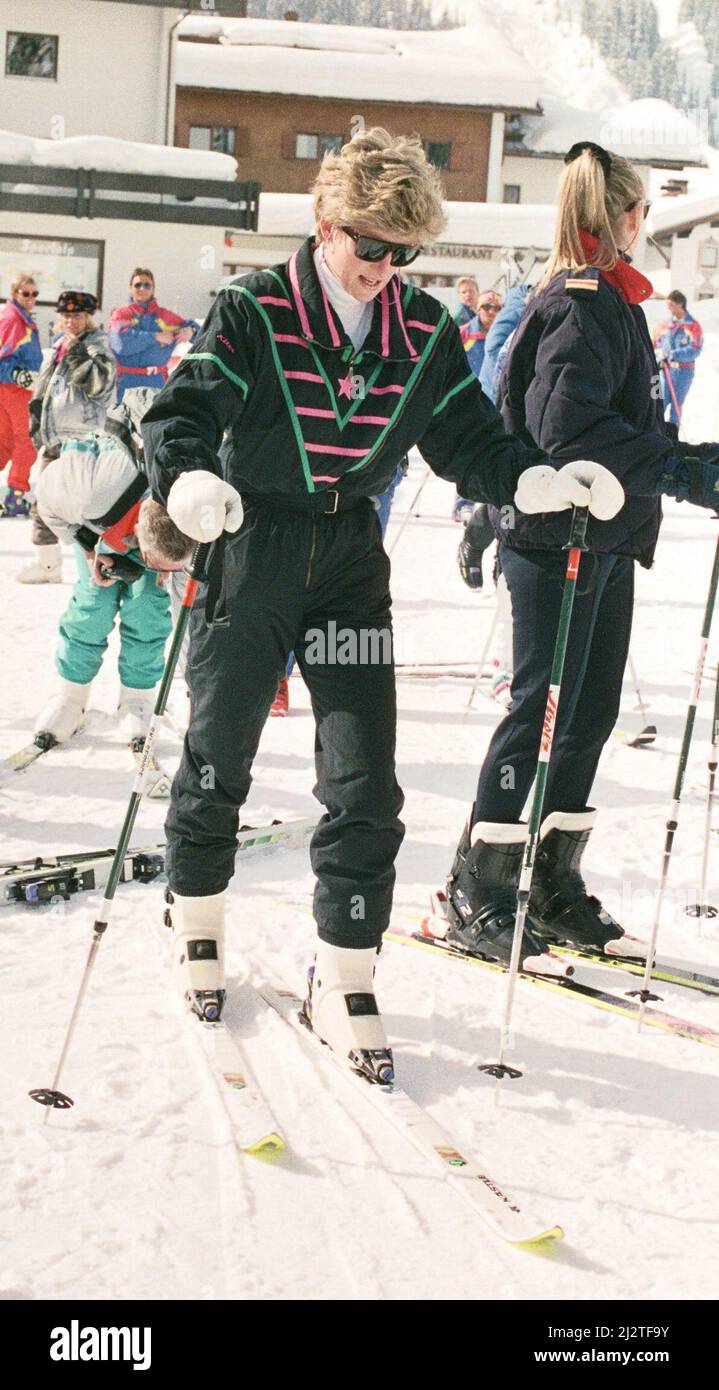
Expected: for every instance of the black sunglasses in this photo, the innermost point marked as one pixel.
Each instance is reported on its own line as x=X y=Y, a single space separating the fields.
x=369 y=248
x=142 y=285
x=28 y=294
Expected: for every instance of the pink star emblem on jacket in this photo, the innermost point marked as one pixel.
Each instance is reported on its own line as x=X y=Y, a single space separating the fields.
x=345 y=385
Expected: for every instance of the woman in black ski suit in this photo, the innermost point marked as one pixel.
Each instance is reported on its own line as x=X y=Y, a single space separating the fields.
x=581 y=383
x=311 y=381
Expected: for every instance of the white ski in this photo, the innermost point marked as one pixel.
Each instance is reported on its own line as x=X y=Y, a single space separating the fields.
x=253 y=1125
x=221 y=1058
x=23 y=758
x=40 y=880
x=467 y=1176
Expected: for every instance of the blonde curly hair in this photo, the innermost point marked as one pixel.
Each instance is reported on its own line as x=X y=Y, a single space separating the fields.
x=382 y=183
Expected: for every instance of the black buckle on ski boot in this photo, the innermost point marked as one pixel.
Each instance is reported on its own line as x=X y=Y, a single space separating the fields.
x=207 y=1004
x=375 y=1065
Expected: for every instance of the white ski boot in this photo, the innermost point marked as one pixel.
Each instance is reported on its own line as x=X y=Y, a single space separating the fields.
x=63 y=716
x=46 y=568
x=198 y=951
x=134 y=712
x=341 y=1009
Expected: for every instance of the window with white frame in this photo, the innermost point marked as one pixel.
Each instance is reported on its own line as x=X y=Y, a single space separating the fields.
x=221 y=138
x=313 y=146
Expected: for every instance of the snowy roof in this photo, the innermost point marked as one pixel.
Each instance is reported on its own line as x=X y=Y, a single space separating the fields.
x=686 y=210
x=473 y=66
x=468 y=224
x=649 y=130
x=115 y=156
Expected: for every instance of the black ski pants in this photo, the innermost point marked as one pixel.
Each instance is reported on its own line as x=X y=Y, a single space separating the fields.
x=591 y=686
x=317 y=584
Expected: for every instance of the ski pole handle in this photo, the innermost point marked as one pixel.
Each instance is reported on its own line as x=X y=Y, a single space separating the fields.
x=197 y=567
x=578 y=529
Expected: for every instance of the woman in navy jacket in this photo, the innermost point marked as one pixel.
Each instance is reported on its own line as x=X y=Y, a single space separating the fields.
x=580 y=382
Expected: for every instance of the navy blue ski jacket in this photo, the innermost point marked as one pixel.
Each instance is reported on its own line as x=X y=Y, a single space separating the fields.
x=581 y=382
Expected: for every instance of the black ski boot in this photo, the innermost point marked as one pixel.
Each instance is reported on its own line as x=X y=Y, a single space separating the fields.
x=482 y=892
x=561 y=908
x=478 y=536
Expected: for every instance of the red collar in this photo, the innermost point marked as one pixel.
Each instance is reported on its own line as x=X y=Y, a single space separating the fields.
x=117 y=536
x=632 y=286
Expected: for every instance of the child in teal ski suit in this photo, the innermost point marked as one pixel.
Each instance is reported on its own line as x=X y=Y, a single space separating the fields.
x=92 y=496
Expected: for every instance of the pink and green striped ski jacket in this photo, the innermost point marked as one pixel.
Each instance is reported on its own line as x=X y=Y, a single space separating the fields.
x=274 y=397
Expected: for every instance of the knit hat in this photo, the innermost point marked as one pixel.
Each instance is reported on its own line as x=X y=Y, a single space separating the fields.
x=76 y=302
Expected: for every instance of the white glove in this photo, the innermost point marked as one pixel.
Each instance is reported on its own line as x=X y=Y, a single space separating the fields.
x=202 y=505
x=578 y=484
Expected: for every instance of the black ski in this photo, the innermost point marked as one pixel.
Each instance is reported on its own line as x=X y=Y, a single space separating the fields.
x=41 y=880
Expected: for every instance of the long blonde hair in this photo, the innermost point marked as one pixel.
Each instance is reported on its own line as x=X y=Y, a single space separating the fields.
x=591 y=201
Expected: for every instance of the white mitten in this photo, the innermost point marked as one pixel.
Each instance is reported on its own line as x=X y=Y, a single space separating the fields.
x=535 y=490
x=578 y=484
x=202 y=505
x=587 y=484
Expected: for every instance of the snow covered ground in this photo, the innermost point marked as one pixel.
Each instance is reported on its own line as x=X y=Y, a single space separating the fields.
x=137 y=1193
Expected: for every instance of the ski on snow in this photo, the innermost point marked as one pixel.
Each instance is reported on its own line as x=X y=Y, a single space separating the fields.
x=43 y=880
x=25 y=756
x=221 y=1059
x=40 y=880
x=597 y=998
x=664 y=971
x=157 y=783
x=467 y=1176
x=252 y=1123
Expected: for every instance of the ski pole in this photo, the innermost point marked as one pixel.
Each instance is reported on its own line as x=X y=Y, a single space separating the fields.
x=51 y=1096
x=672 y=392
x=643 y=709
x=410 y=510
x=648 y=729
x=644 y=994
x=576 y=545
x=483 y=658
x=703 y=908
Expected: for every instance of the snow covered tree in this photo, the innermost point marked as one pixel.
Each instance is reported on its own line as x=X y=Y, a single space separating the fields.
x=626 y=34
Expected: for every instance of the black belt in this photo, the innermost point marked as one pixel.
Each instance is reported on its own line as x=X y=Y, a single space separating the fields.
x=325 y=503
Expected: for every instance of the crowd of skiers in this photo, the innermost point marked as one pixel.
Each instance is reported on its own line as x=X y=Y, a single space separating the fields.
x=65 y=418
x=62 y=395
x=272 y=441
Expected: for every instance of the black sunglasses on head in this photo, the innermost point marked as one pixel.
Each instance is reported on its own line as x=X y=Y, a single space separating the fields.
x=369 y=248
